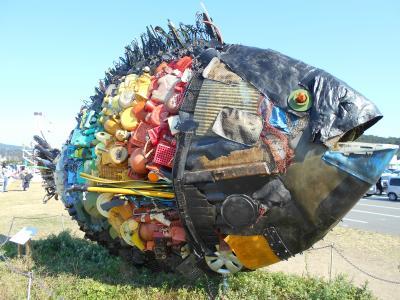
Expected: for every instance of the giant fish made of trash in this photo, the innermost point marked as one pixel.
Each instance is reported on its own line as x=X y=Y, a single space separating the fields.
x=195 y=155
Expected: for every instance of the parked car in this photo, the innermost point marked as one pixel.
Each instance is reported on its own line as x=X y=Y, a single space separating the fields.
x=393 y=189
x=385 y=178
x=371 y=191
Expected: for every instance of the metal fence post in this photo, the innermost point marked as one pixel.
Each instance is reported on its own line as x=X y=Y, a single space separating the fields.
x=28 y=297
x=330 y=265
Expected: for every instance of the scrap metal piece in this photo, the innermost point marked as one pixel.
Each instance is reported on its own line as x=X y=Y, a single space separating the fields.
x=336 y=108
x=253 y=251
x=276 y=243
x=240 y=211
x=216 y=95
x=227 y=173
x=238 y=126
x=361 y=160
x=218 y=71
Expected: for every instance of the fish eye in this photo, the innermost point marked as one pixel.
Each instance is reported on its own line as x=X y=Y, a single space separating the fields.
x=300 y=100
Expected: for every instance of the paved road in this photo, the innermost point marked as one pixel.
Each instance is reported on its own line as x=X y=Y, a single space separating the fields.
x=375 y=213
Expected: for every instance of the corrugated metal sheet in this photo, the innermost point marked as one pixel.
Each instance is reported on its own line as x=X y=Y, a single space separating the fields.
x=215 y=95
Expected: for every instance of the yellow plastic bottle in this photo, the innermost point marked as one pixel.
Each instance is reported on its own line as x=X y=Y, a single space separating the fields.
x=143 y=84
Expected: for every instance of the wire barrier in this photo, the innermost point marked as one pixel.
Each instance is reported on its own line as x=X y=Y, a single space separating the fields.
x=355 y=266
x=36 y=280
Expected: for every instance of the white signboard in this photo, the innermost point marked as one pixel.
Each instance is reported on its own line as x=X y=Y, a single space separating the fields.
x=22 y=236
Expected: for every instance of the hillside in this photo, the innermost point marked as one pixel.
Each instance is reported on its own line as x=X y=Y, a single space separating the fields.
x=10 y=152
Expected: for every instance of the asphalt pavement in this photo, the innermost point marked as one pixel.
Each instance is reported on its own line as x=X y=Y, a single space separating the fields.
x=375 y=213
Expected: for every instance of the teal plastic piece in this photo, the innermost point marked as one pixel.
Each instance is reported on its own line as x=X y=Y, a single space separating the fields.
x=90 y=131
x=80 y=140
x=79 y=179
x=90 y=118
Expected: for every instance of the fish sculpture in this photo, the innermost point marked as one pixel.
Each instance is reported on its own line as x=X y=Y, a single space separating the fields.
x=199 y=156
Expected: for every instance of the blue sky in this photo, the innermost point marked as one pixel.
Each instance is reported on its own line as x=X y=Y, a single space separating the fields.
x=53 y=53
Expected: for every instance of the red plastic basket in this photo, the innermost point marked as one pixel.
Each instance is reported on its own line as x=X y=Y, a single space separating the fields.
x=139 y=137
x=164 y=155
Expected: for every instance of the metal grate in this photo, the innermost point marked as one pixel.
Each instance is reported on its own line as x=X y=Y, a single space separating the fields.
x=214 y=95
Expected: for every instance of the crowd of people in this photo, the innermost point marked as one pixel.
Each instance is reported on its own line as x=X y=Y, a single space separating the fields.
x=21 y=173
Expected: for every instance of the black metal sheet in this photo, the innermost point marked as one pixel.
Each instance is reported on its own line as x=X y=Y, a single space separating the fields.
x=336 y=107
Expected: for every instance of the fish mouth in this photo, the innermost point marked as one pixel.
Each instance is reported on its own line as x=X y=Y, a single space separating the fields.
x=324 y=187
x=361 y=160
x=357 y=131
x=359 y=165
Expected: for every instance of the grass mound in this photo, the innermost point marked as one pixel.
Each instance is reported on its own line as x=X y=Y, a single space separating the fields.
x=78 y=269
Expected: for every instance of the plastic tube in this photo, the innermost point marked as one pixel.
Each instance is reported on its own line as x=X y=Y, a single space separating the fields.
x=96 y=189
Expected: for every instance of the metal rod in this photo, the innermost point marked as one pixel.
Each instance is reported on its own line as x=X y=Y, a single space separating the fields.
x=330 y=265
x=28 y=297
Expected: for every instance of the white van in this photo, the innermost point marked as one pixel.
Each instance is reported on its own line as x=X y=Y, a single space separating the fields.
x=393 y=189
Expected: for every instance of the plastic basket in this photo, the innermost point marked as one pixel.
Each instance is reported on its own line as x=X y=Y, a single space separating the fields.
x=114 y=172
x=164 y=155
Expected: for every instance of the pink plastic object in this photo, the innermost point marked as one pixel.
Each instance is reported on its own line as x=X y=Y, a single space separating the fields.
x=157 y=116
x=178 y=234
x=149 y=106
x=139 y=137
x=164 y=155
x=154 y=134
x=165 y=88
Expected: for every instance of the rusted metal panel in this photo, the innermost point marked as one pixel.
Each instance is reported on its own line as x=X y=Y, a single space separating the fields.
x=227 y=173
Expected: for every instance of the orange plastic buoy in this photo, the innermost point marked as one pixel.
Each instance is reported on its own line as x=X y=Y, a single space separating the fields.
x=138 y=161
x=139 y=111
x=146 y=231
x=153 y=176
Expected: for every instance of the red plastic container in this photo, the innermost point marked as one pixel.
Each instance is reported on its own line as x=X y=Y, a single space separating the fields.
x=164 y=155
x=183 y=63
x=138 y=138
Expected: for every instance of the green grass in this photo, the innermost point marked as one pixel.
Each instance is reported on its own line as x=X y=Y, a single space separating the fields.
x=79 y=269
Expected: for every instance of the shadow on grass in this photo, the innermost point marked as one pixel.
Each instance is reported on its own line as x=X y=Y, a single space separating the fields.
x=65 y=254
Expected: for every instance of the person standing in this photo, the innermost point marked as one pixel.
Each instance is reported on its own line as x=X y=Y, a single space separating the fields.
x=25 y=178
x=5 y=174
x=379 y=186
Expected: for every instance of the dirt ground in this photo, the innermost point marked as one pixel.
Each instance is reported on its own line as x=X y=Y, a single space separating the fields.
x=374 y=253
